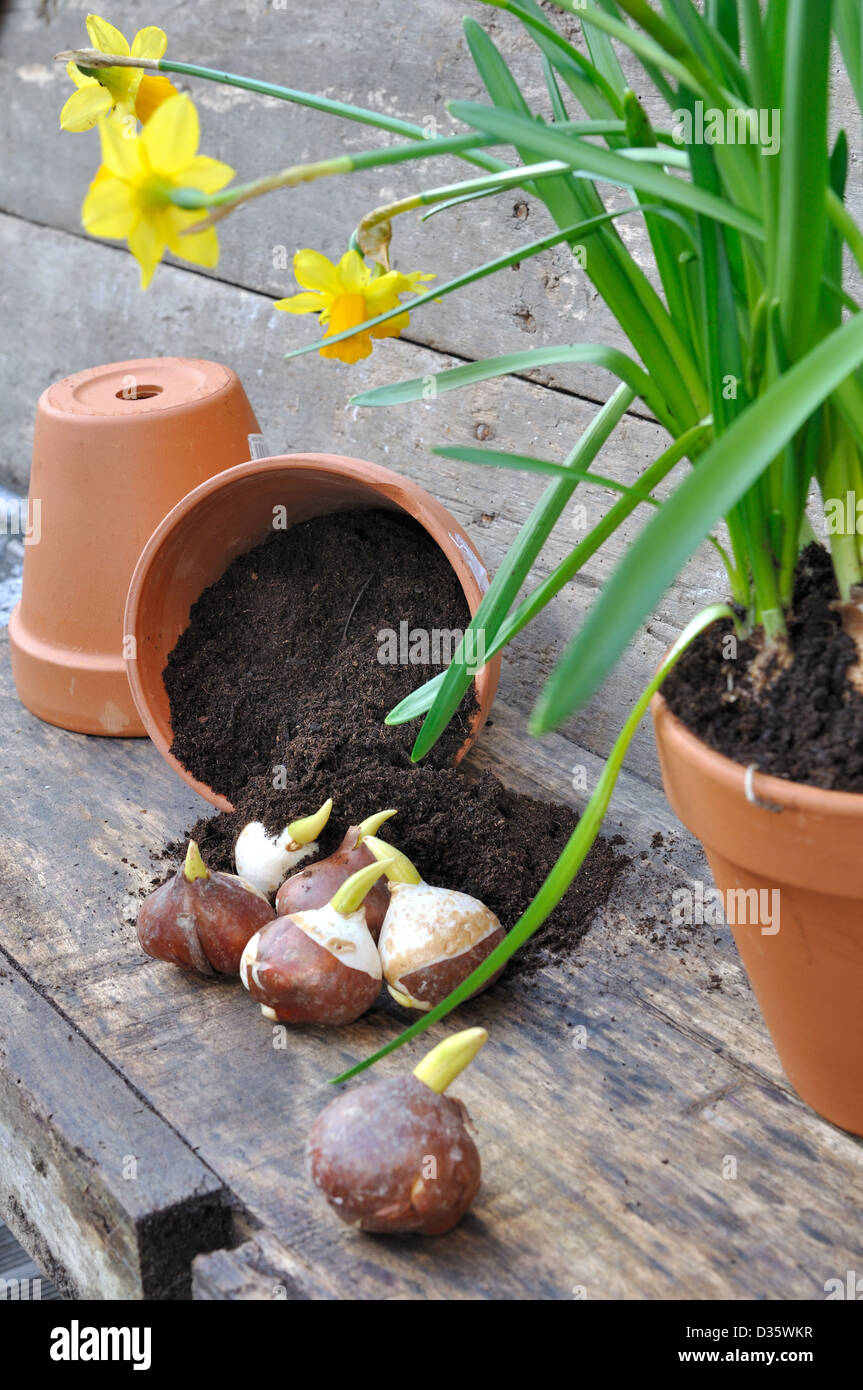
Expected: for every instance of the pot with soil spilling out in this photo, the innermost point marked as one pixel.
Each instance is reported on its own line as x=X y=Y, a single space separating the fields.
x=115 y=448
x=786 y=860
x=243 y=508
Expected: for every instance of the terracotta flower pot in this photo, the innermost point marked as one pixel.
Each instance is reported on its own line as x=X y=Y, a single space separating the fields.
x=233 y=513
x=805 y=844
x=114 y=449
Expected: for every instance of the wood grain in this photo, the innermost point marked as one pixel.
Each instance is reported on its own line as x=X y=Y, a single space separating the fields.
x=603 y=1149
x=108 y=1198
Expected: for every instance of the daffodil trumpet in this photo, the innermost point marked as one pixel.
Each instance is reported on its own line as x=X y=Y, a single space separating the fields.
x=320 y=965
x=265 y=860
x=345 y=295
x=314 y=886
x=201 y=920
x=396 y=1156
x=432 y=938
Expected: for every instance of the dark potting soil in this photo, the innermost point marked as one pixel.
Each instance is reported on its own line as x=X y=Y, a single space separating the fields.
x=278 y=700
x=803 y=721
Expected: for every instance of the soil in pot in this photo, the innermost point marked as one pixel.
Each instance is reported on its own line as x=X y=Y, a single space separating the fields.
x=802 y=720
x=278 y=698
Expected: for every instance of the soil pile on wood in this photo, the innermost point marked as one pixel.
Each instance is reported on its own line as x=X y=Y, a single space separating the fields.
x=803 y=721
x=278 y=697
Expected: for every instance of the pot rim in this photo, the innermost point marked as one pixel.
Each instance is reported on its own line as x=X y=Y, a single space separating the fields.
x=780 y=792
x=393 y=487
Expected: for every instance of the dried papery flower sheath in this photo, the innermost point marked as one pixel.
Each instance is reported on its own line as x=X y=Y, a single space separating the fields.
x=315 y=886
x=201 y=920
x=432 y=938
x=266 y=859
x=319 y=966
x=395 y=1156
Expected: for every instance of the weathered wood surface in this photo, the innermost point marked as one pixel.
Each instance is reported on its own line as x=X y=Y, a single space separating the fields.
x=112 y=1202
x=603 y=1163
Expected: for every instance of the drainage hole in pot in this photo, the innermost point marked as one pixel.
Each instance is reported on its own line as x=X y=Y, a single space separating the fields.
x=138 y=393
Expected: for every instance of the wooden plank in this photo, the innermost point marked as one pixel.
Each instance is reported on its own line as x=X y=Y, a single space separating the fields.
x=603 y=1163
x=106 y=1197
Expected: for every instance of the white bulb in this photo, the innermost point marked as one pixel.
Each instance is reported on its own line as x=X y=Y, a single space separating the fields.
x=265 y=860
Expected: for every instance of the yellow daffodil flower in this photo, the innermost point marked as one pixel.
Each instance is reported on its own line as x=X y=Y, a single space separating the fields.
x=130 y=197
x=347 y=294
x=129 y=93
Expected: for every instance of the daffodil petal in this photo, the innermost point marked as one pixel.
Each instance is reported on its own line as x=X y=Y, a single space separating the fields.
x=84 y=108
x=353 y=273
x=120 y=151
x=149 y=43
x=108 y=209
x=201 y=249
x=392 y=328
x=205 y=173
x=105 y=37
x=314 y=272
x=147 y=247
x=78 y=77
x=152 y=90
x=300 y=304
x=170 y=138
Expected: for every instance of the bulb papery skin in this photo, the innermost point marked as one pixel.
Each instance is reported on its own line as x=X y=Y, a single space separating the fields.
x=265 y=860
x=346 y=937
x=371 y=1152
x=315 y=886
x=431 y=940
x=202 y=925
x=315 y=967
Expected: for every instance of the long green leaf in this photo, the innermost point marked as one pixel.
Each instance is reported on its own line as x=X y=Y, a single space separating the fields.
x=527 y=463
x=725 y=470
x=570 y=860
x=804 y=170
x=599 y=354
x=510 y=576
x=605 y=164
x=690 y=445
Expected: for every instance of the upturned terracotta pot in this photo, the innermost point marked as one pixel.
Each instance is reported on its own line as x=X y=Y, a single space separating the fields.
x=115 y=448
x=234 y=512
x=799 y=846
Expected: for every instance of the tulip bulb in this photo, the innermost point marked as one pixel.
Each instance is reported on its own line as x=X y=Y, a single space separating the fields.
x=432 y=938
x=265 y=860
x=395 y=1156
x=315 y=886
x=320 y=965
x=201 y=920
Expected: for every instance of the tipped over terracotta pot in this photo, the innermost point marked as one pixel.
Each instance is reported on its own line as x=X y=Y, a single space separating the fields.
x=786 y=859
x=115 y=448
x=234 y=512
